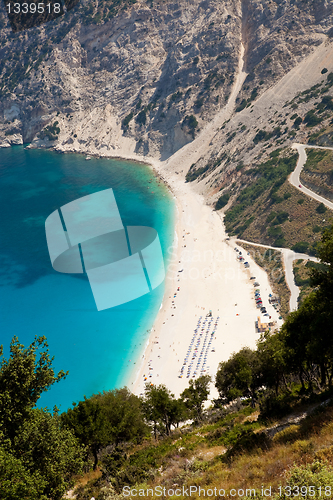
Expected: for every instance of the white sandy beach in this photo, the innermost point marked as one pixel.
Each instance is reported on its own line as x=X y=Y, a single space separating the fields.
x=204 y=267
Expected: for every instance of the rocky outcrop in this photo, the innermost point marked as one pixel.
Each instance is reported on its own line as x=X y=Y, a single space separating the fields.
x=148 y=80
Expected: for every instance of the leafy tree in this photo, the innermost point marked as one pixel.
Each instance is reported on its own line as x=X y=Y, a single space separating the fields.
x=37 y=457
x=124 y=415
x=17 y=482
x=323 y=278
x=239 y=376
x=49 y=451
x=105 y=419
x=195 y=396
x=161 y=408
x=90 y=425
x=23 y=378
x=308 y=331
x=273 y=360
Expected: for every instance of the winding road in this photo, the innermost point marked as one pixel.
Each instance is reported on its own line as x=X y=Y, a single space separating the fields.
x=294 y=177
x=289 y=255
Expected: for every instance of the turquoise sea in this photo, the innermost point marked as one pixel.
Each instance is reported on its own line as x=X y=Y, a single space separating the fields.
x=98 y=349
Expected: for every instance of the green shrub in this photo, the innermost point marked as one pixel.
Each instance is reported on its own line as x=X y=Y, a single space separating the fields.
x=271 y=217
x=275 y=197
x=311 y=119
x=286 y=435
x=126 y=120
x=51 y=132
x=222 y=201
x=141 y=117
x=191 y=122
x=199 y=102
x=321 y=209
x=300 y=247
x=194 y=174
x=312 y=481
x=282 y=217
x=241 y=106
x=262 y=135
x=231 y=136
x=176 y=96
x=300 y=201
x=274 y=231
x=267 y=176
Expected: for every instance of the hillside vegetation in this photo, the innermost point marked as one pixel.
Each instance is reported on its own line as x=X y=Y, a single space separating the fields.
x=267 y=209
x=317 y=173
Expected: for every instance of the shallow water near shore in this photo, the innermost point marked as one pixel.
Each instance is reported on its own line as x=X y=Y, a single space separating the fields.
x=97 y=348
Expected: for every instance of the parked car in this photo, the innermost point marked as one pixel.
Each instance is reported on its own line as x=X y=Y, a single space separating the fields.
x=252 y=278
x=256 y=284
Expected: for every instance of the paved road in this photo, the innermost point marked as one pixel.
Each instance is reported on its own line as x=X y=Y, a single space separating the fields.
x=288 y=258
x=294 y=176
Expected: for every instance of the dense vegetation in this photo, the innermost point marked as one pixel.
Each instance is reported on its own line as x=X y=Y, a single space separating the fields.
x=38 y=457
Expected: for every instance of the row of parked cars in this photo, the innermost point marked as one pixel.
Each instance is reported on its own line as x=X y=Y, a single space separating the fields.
x=255 y=284
x=259 y=302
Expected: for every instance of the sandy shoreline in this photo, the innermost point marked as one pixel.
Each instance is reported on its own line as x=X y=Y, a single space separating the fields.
x=204 y=275
x=205 y=268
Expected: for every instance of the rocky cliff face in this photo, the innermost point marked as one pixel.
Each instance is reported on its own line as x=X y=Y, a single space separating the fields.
x=148 y=78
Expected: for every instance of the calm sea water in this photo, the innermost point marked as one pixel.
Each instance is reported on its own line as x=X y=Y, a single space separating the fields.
x=98 y=348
